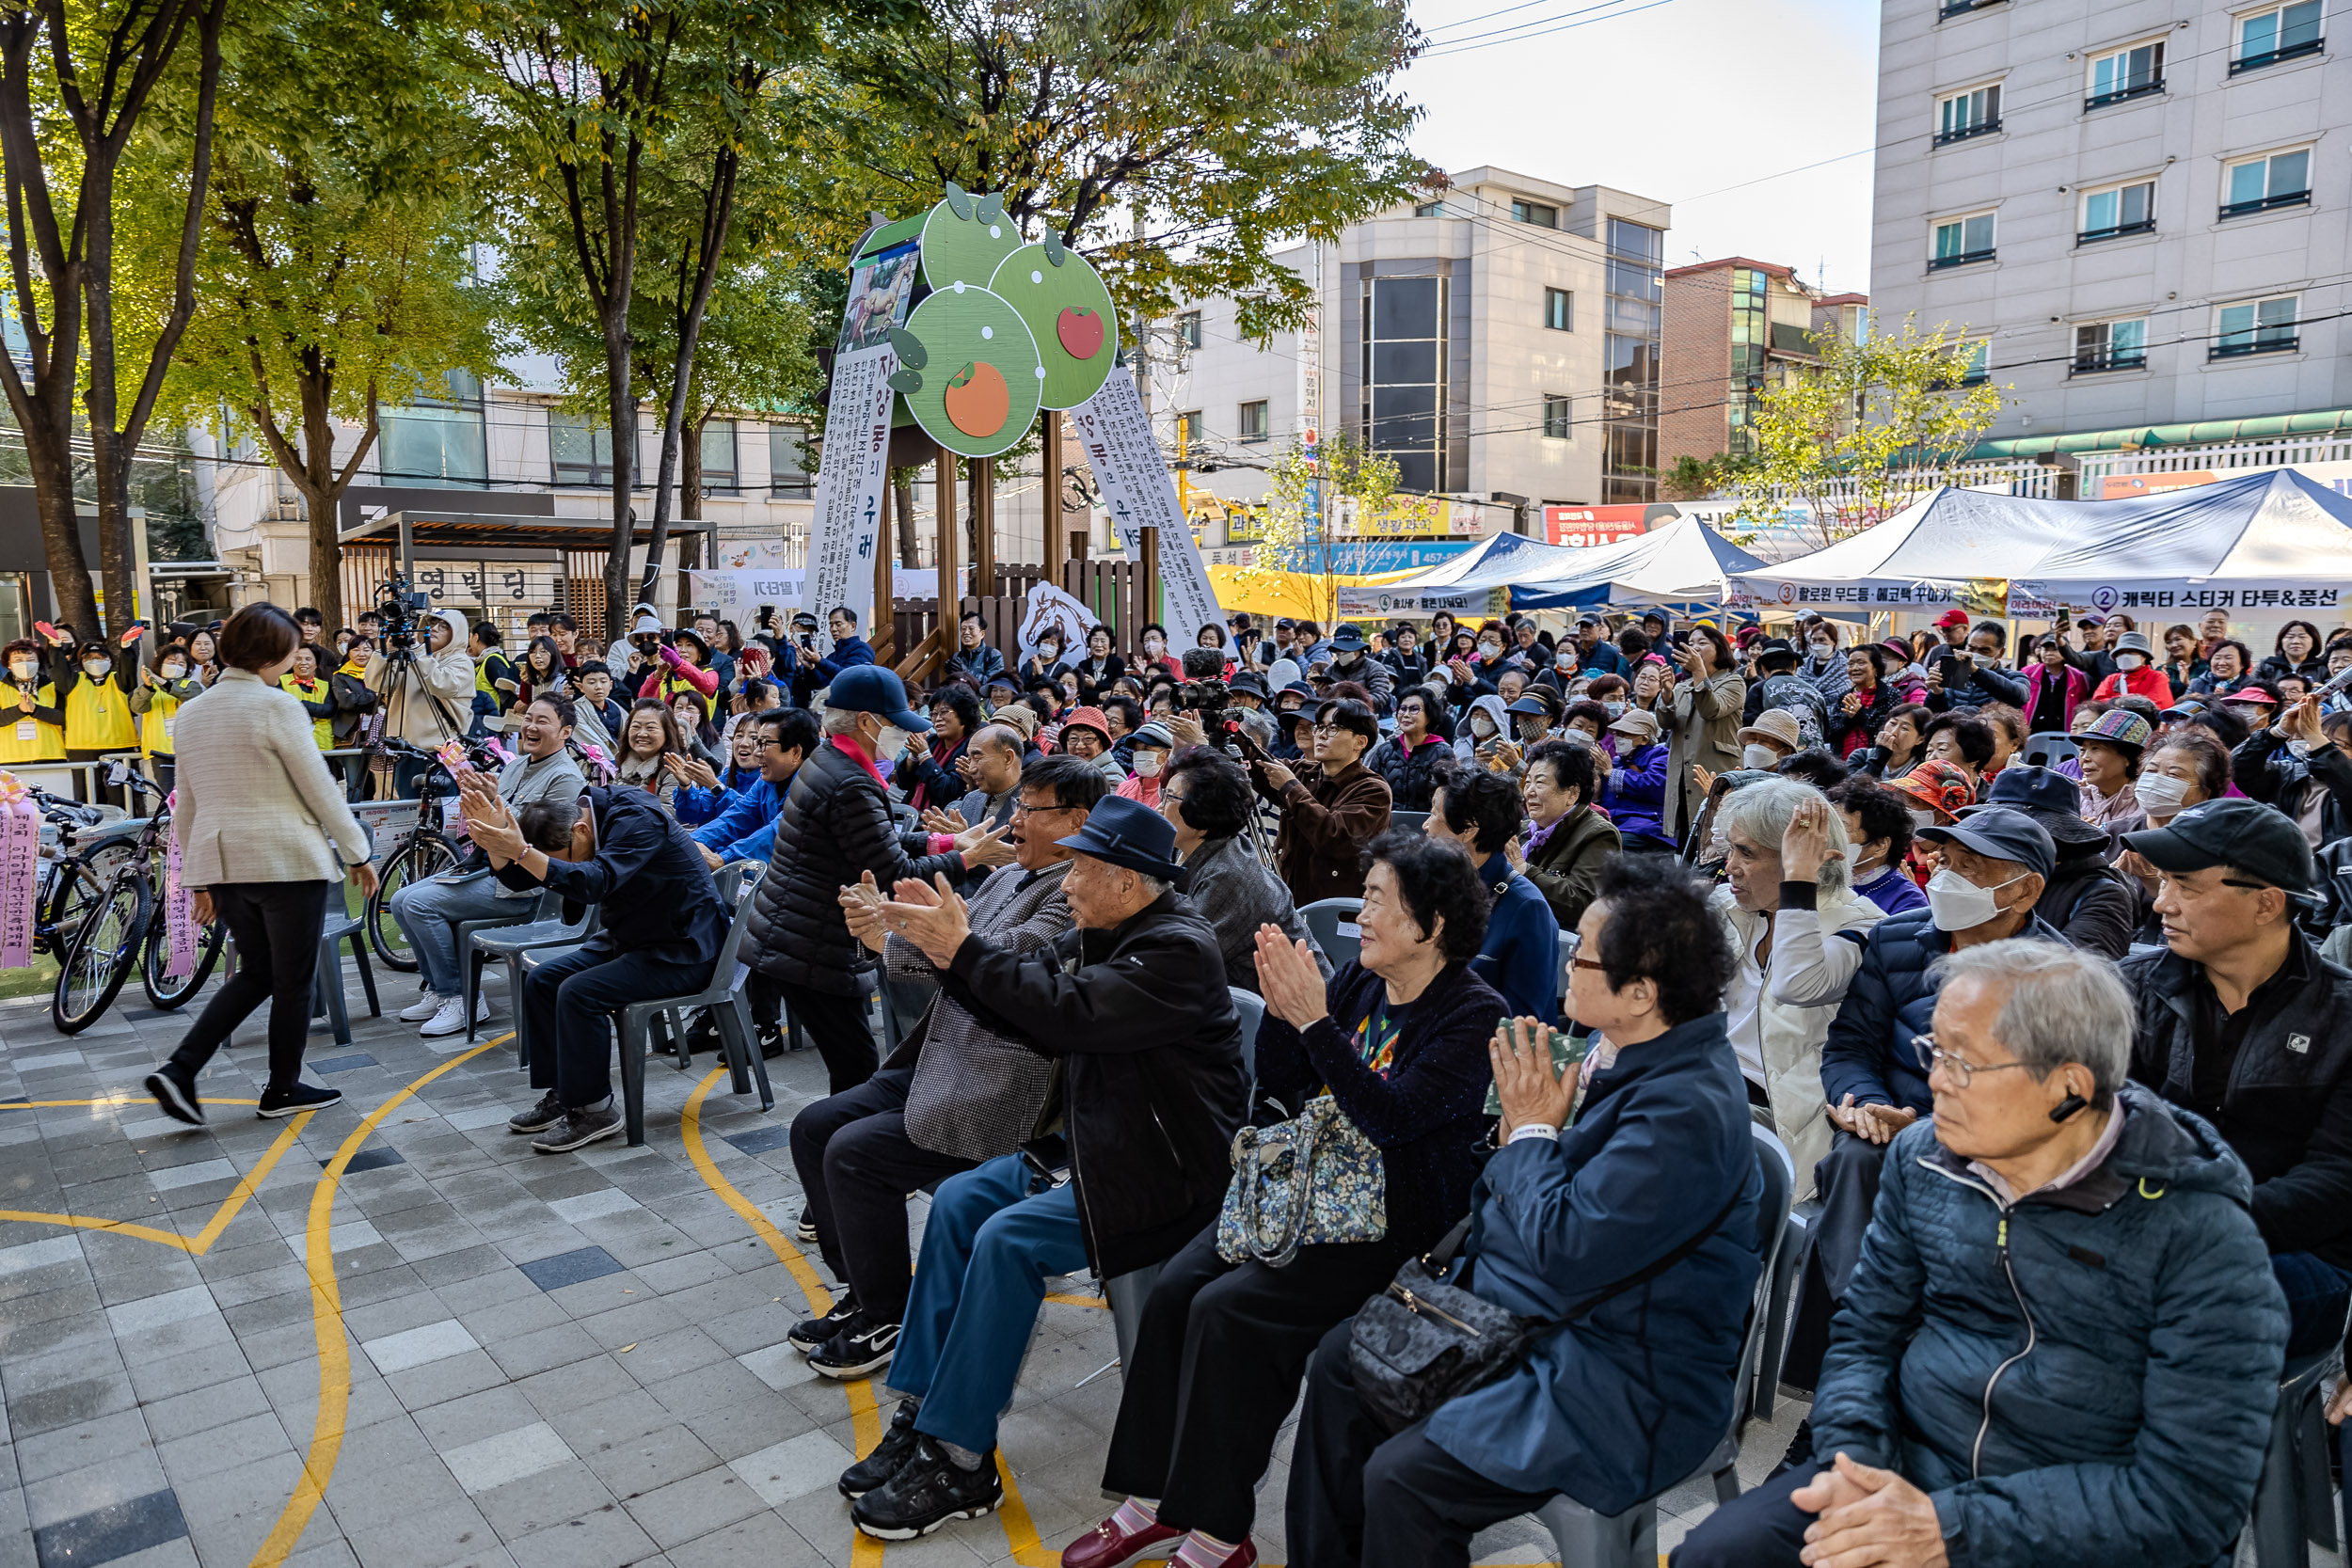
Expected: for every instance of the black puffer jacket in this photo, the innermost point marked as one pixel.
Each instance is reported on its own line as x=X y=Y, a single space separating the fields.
x=836 y=824
x=2270 y=773
x=2092 y=904
x=2287 y=1107
x=1412 y=776
x=1151 y=1085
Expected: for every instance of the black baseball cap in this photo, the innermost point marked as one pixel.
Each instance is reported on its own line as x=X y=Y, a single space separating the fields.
x=2002 y=833
x=2264 y=843
x=1774 y=650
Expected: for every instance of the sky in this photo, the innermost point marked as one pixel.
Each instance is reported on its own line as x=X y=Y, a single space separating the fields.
x=1674 y=99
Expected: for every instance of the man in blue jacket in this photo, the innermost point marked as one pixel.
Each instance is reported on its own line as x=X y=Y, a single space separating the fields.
x=2061 y=1344
x=849 y=651
x=746 y=829
x=1995 y=863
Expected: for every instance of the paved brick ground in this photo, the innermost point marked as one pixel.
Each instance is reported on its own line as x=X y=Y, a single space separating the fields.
x=553 y=1362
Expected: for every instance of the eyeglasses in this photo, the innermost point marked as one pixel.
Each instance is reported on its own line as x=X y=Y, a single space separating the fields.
x=1572 y=944
x=1023 y=808
x=1932 y=1057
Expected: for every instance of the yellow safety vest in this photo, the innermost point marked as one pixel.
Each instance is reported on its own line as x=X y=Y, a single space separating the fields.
x=98 y=717
x=322 y=730
x=163 y=710
x=23 y=737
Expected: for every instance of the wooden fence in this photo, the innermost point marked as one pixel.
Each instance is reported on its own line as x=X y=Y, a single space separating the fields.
x=1111 y=589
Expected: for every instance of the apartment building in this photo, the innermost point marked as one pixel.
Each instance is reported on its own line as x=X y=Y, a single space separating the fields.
x=1734 y=327
x=1498 y=342
x=2138 y=210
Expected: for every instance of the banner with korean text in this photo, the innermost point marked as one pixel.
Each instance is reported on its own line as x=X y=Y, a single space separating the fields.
x=1116 y=433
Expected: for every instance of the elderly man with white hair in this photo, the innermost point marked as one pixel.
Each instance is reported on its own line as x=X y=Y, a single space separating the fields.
x=1799 y=929
x=2061 y=1344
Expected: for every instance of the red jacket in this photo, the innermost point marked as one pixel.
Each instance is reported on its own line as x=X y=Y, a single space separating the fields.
x=2147 y=681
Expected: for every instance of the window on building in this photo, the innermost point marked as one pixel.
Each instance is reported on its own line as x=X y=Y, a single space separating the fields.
x=2257 y=326
x=2125 y=73
x=1430 y=209
x=1539 y=214
x=1560 y=310
x=2282 y=179
x=1188 y=329
x=788 y=461
x=580 y=453
x=1558 y=426
x=1403 y=377
x=2111 y=346
x=437 y=440
x=2285 y=32
x=1629 y=346
x=1974 y=113
x=1751 y=337
x=720 y=474
x=1253 y=422
x=1961 y=241
x=1951 y=9
x=2123 y=210
x=1978 y=366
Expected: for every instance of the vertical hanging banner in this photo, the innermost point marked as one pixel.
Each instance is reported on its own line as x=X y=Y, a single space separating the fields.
x=1116 y=435
x=178 y=913
x=853 y=469
x=20 y=871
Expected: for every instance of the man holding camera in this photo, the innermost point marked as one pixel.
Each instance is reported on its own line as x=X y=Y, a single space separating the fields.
x=1331 y=807
x=426 y=682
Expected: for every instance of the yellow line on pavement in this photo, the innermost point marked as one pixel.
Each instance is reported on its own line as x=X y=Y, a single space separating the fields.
x=327 y=1321
x=109 y=1100
x=203 y=1240
x=865 y=1418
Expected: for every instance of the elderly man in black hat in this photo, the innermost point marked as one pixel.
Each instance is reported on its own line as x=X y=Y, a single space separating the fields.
x=1131 y=1006
x=2241 y=1020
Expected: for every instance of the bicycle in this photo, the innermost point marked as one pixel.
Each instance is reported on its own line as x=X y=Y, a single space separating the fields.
x=421 y=853
x=91 y=847
x=128 y=918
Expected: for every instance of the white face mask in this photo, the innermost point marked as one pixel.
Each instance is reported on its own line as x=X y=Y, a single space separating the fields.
x=2129 y=661
x=892 y=742
x=96 y=668
x=2160 y=792
x=174 y=672
x=1155 y=646
x=1490 y=650
x=1616 y=709
x=1756 y=754
x=23 y=669
x=1822 y=650
x=1957 y=904
x=1481 y=725
x=1147 y=764
x=1923 y=820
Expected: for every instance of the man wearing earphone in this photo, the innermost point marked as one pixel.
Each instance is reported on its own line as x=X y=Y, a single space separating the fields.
x=2242 y=1022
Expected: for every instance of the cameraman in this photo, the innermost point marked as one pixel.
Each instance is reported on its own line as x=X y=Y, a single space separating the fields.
x=1331 y=807
x=425 y=682
x=1964 y=680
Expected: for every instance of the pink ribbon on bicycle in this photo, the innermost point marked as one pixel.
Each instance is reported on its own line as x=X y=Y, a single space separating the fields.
x=20 y=871
x=179 y=911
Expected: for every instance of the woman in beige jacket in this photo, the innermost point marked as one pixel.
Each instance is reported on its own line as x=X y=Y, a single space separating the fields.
x=265 y=840
x=1704 y=718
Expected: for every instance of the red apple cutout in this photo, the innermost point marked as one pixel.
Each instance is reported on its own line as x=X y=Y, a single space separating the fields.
x=1080 y=331
x=977 y=399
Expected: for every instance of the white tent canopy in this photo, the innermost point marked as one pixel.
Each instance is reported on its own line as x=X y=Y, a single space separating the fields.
x=1685 y=561
x=2270 y=539
x=1468 y=584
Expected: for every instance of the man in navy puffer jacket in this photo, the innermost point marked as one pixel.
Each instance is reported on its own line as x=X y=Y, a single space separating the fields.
x=2062 y=1344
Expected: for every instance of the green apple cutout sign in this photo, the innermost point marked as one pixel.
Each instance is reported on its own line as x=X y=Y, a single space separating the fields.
x=975 y=387
x=1068 y=313
x=966 y=237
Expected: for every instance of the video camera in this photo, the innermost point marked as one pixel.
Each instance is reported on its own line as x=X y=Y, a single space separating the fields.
x=399 y=606
x=1204 y=695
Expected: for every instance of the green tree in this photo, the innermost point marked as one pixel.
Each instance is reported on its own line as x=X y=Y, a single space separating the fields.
x=92 y=96
x=334 y=269
x=1870 y=428
x=1306 y=497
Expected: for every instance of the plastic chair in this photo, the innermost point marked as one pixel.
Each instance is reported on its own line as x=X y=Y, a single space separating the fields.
x=1629 y=1540
x=327 y=980
x=546 y=907
x=1567 y=964
x=548 y=939
x=1127 y=1293
x=1407 y=821
x=2292 y=1501
x=735 y=882
x=2047 y=748
x=1333 y=923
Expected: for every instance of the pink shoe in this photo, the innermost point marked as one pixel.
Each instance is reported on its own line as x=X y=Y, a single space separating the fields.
x=1106 y=1545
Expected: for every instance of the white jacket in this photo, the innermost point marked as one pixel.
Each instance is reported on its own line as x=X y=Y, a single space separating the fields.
x=257 y=803
x=1813 y=957
x=448 y=675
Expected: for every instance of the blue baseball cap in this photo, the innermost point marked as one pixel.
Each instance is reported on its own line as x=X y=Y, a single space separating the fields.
x=871 y=689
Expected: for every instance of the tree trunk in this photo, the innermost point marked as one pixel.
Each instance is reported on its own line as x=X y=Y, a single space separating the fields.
x=689 y=509
x=903 y=493
x=976 y=475
x=621 y=414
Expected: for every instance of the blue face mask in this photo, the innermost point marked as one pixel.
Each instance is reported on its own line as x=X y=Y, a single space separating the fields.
x=1616 y=709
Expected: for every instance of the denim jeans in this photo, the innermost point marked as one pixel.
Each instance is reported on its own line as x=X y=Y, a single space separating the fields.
x=426 y=910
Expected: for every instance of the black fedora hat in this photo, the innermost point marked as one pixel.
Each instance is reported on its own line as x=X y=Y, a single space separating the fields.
x=1130 y=834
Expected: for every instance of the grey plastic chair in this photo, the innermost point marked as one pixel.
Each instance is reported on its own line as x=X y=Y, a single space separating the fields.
x=1567 y=964
x=735 y=882
x=1333 y=923
x=545 y=909
x=1408 y=821
x=327 y=980
x=2292 y=1501
x=2048 y=749
x=1127 y=1293
x=1629 y=1540
x=526 y=947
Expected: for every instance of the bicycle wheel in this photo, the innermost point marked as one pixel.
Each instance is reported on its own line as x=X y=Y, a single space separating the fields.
x=426 y=855
x=170 y=995
x=73 y=888
x=102 y=955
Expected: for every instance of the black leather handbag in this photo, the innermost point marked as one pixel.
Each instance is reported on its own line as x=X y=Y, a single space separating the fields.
x=1422 y=1341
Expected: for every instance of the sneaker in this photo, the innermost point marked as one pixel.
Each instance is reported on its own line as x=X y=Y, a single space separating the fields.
x=773 y=1043
x=927 y=1490
x=546 y=1114
x=804 y=1228
x=703 y=1038
x=877 y=1468
x=862 y=1346
x=176 y=1093
x=481 y=1007
x=447 y=1019
x=811 y=1332
x=421 y=1008
x=297 y=1096
x=579 y=1129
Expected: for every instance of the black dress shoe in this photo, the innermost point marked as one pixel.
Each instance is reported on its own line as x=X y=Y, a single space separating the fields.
x=927 y=1491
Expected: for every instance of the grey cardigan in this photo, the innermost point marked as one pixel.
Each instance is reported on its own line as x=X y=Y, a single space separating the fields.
x=255 y=802
x=1235 y=895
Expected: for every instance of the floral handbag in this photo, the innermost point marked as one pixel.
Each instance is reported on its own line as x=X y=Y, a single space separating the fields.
x=1311 y=1180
